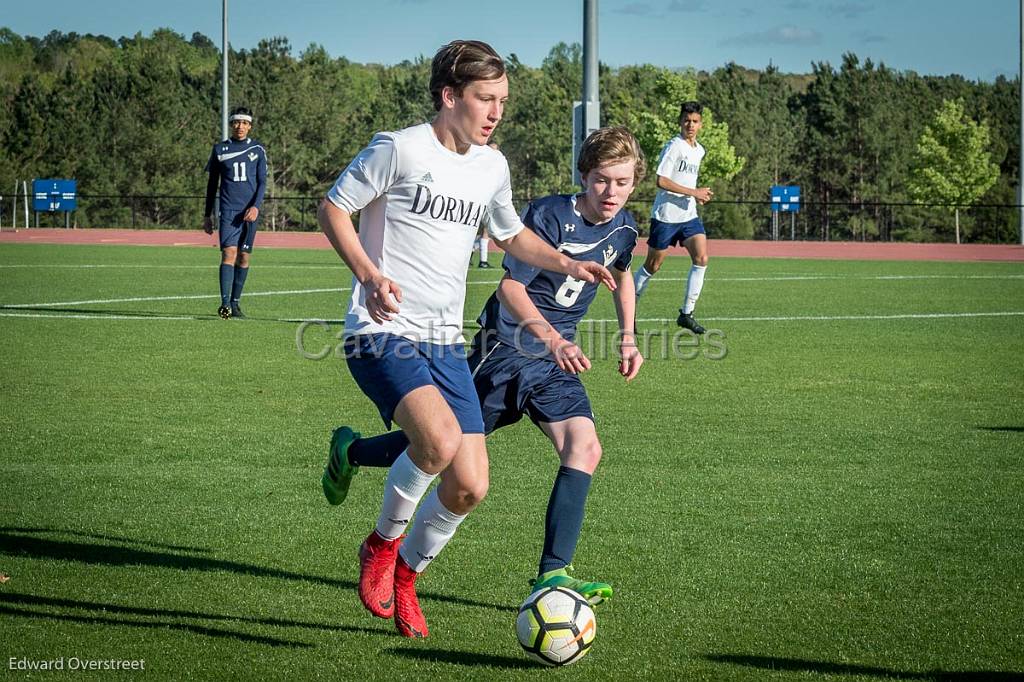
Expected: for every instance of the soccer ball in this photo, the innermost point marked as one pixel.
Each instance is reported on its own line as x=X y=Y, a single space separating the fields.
x=556 y=626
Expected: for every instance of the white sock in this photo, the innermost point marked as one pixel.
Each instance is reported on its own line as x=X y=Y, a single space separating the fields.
x=483 y=249
x=433 y=528
x=641 y=279
x=403 y=490
x=694 y=283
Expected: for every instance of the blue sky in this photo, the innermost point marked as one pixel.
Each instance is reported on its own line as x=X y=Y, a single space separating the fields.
x=977 y=39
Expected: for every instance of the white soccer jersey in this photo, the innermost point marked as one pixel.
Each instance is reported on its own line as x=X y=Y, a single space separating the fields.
x=421 y=206
x=680 y=163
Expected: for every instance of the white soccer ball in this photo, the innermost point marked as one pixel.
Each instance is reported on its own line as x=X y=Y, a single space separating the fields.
x=556 y=626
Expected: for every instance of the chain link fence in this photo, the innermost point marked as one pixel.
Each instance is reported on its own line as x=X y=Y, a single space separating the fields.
x=724 y=218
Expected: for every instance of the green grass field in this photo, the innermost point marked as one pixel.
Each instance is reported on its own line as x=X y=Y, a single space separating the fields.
x=839 y=497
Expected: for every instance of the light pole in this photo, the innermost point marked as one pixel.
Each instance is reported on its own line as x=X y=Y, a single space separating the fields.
x=223 y=72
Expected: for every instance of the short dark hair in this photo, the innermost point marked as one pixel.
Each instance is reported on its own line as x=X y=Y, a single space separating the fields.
x=605 y=146
x=691 y=107
x=461 y=62
x=244 y=111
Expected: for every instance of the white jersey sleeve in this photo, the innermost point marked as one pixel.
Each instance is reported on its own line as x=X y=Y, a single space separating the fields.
x=369 y=175
x=667 y=160
x=503 y=221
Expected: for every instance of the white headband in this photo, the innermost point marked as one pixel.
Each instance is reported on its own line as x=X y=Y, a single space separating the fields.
x=241 y=117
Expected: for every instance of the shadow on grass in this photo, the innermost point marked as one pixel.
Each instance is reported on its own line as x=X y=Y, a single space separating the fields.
x=827 y=668
x=22 y=542
x=1011 y=429
x=466 y=658
x=105 y=312
x=112 y=538
x=162 y=625
x=34 y=600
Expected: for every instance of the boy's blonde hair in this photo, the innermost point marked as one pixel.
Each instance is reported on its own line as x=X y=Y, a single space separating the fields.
x=611 y=145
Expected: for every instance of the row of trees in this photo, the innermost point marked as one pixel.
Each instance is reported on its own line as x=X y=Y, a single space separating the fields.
x=136 y=117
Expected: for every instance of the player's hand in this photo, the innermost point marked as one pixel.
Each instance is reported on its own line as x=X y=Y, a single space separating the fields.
x=251 y=214
x=703 y=195
x=589 y=271
x=382 y=298
x=208 y=225
x=569 y=356
x=630 y=358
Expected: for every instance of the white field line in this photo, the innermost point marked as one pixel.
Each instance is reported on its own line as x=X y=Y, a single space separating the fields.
x=471 y=324
x=140 y=299
x=97 y=266
x=143 y=299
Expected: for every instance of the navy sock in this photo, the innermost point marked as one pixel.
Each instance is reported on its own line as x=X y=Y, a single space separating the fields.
x=564 y=518
x=379 y=451
x=227 y=276
x=236 y=289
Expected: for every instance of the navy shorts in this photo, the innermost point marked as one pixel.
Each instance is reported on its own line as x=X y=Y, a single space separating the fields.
x=388 y=367
x=237 y=232
x=664 y=235
x=510 y=384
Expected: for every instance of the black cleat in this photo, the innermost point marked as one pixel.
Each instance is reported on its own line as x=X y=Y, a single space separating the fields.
x=686 y=321
x=236 y=311
x=483 y=264
x=224 y=312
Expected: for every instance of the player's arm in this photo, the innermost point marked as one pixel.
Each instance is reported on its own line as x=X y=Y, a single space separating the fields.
x=516 y=300
x=529 y=248
x=256 y=204
x=337 y=225
x=211 y=194
x=701 y=194
x=630 y=358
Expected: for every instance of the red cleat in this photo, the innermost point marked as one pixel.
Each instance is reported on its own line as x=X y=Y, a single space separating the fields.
x=377 y=574
x=408 y=618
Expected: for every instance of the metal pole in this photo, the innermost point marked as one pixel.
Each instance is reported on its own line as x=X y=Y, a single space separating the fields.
x=24 y=194
x=223 y=74
x=591 y=98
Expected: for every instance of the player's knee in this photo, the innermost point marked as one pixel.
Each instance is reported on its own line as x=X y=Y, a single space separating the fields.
x=440 y=448
x=583 y=455
x=470 y=494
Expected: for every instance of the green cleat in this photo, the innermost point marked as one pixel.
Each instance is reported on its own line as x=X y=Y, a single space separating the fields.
x=593 y=592
x=338 y=473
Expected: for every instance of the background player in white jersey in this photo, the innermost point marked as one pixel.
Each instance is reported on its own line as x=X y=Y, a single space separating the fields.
x=674 y=218
x=421 y=192
x=239 y=166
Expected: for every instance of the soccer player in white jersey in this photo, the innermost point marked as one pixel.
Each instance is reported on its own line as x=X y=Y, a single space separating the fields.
x=674 y=218
x=421 y=192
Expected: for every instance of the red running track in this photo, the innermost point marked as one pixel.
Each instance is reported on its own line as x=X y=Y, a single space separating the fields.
x=717 y=247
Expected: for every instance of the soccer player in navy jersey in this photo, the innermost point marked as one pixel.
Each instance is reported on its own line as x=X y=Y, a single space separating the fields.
x=525 y=360
x=421 y=193
x=239 y=166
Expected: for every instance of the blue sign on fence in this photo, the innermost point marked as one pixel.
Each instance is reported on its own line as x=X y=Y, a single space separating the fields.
x=54 y=195
x=786 y=198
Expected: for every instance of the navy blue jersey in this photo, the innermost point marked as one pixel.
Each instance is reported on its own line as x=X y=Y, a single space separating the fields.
x=561 y=299
x=240 y=168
